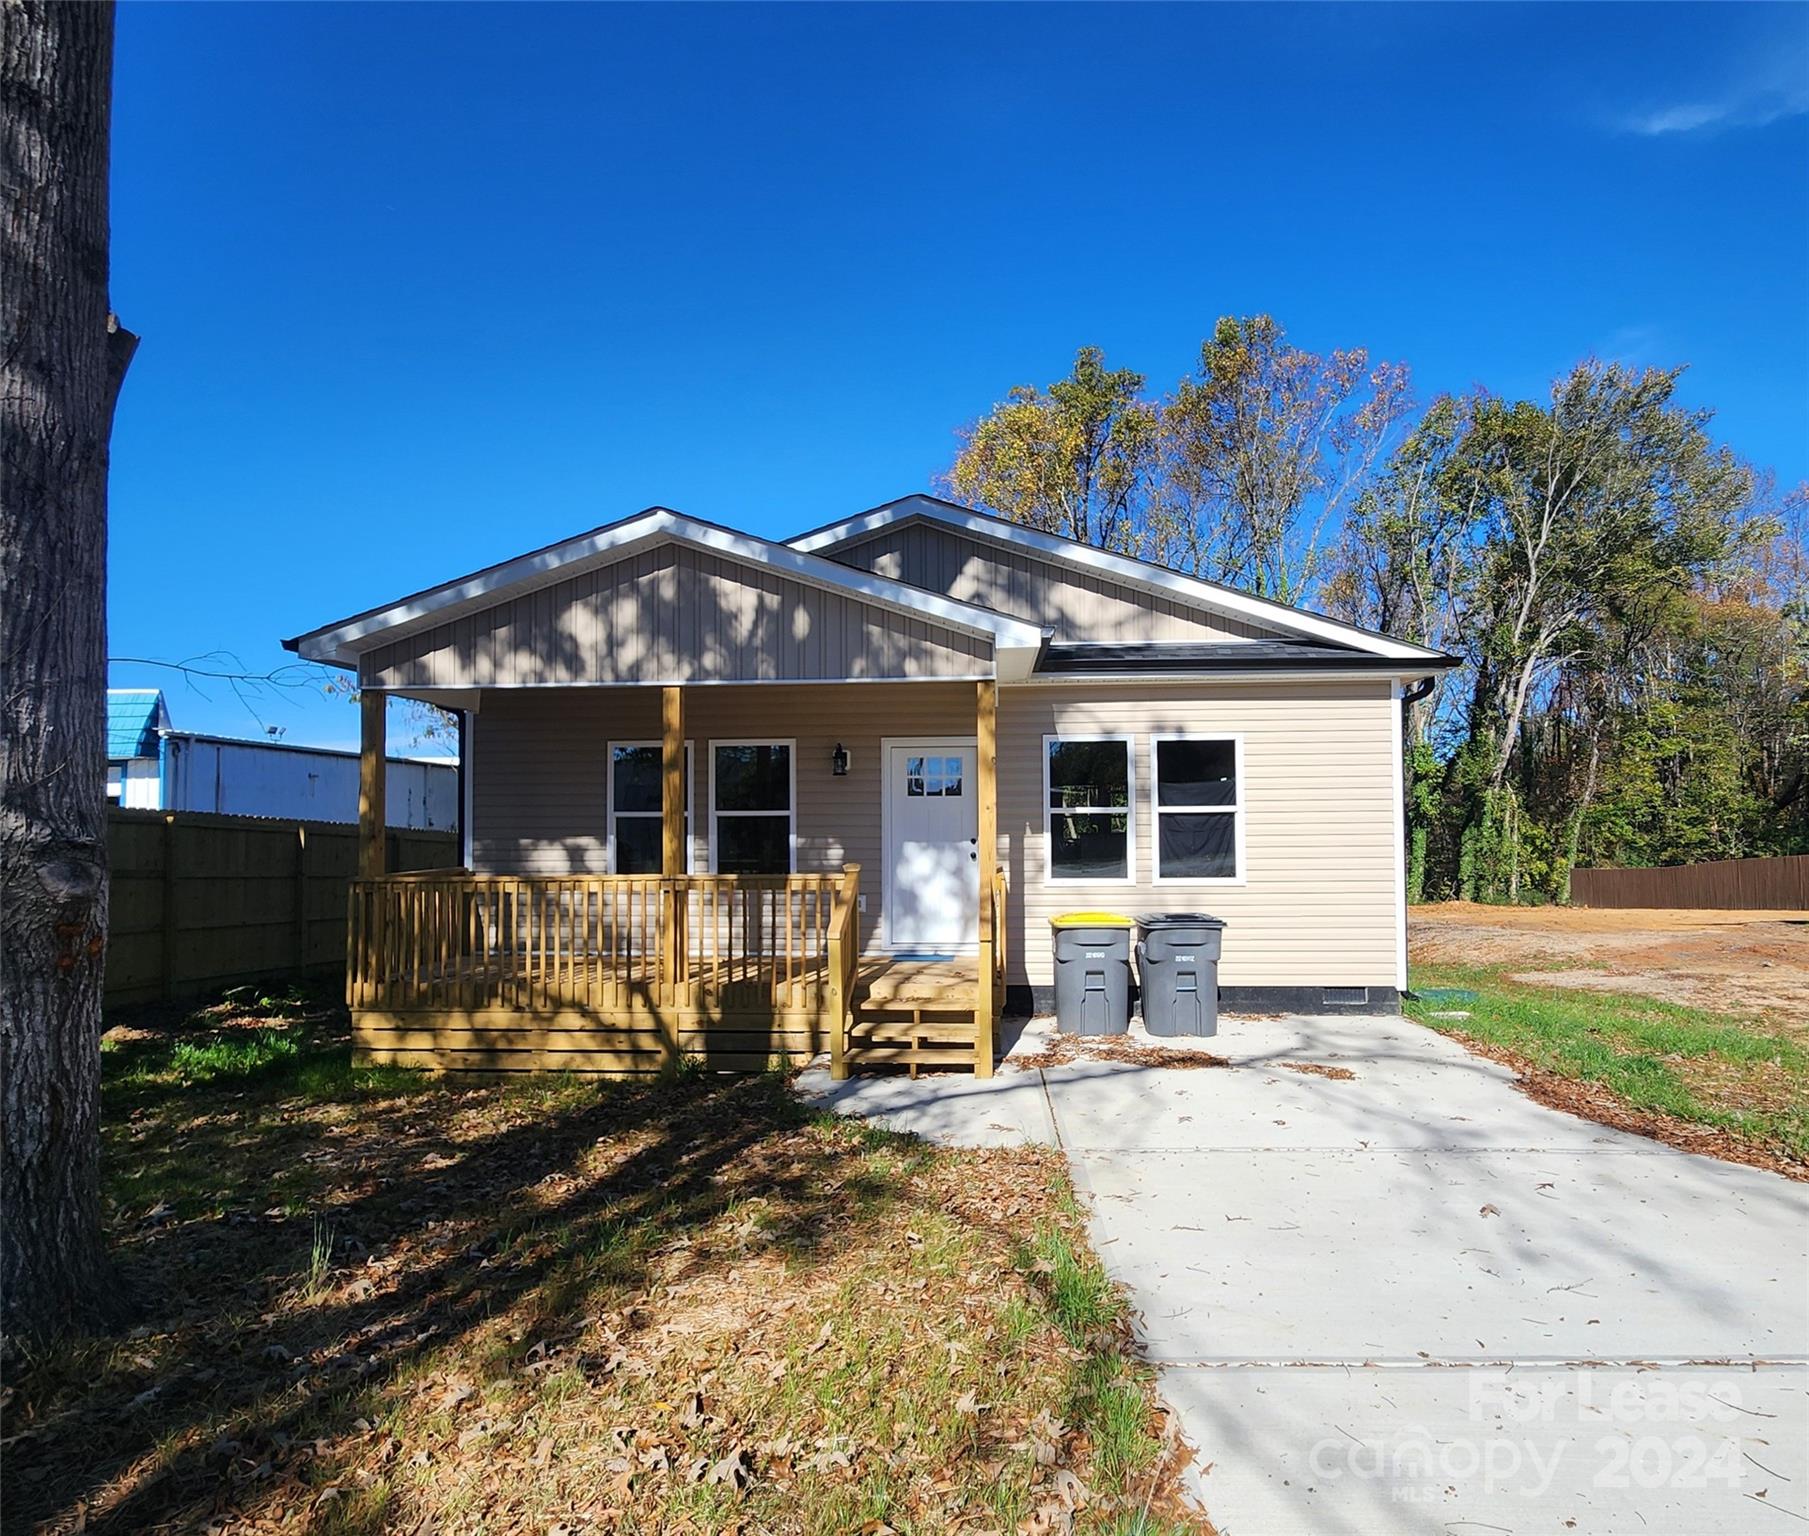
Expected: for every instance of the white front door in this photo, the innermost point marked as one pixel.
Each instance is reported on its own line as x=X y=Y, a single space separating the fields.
x=932 y=847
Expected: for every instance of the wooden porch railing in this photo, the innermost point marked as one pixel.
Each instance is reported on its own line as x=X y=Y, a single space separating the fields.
x=989 y=1002
x=844 y=966
x=453 y=941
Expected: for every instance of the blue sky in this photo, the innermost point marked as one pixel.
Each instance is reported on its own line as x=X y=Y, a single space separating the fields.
x=423 y=286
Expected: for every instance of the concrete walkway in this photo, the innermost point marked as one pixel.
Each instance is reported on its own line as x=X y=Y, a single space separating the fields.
x=1415 y=1300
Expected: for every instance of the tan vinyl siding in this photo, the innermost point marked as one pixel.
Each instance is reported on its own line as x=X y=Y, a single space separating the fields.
x=1318 y=906
x=538 y=775
x=676 y=614
x=1079 y=606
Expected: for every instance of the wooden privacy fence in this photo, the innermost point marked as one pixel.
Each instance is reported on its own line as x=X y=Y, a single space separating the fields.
x=201 y=901
x=1780 y=884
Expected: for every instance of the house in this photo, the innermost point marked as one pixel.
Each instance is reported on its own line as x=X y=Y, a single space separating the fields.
x=730 y=797
x=136 y=721
x=153 y=767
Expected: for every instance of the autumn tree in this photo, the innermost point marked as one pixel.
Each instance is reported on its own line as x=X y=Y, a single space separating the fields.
x=1073 y=459
x=1240 y=475
x=1405 y=564
x=1265 y=447
x=1559 y=548
x=1629 y=601
x=64 y=360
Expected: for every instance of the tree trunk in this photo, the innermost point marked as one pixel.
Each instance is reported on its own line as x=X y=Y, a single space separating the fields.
x=63 y=362
x=1575 y=837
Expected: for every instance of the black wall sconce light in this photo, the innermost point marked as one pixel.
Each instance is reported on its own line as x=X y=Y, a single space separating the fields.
x=838 y=761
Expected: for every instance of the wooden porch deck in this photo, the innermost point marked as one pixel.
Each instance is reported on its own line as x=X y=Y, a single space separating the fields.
x=629 y=974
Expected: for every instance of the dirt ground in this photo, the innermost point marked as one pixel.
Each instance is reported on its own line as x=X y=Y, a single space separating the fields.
x=1731 y=961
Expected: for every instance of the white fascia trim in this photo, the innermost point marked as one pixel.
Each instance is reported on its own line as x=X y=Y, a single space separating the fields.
x=1016 y=643
x=1191 y=589
x=1376 y=674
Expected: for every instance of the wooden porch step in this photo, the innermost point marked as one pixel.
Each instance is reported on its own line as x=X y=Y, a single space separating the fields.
x=911 y=1055
x=892 y=979
x=870 y=1030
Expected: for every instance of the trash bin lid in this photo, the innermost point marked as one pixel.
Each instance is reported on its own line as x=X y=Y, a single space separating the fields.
x=1092 y=920
x=1179 y=920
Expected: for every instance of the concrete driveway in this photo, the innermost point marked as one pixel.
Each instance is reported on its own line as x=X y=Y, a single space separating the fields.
x=1414 y=1300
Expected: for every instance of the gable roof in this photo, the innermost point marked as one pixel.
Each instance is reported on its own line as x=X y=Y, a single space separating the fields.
x=1145 y=575
x=134 y=716
x=1016 y=643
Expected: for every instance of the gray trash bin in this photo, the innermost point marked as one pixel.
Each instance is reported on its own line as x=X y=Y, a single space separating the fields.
x=1178 y=971
x=1092 y=973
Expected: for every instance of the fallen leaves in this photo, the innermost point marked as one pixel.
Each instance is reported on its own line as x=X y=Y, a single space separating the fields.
x=575 y=1310
x=1591 y=1101
x=455 y=1394
x=1061 y=1050
x=733 y=1471
x=1318 y=1069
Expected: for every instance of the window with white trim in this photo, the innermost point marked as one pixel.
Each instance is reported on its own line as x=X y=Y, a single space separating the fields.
x=751 y=800
x=637 y=810
x=1198 y=805
x=1087 y=809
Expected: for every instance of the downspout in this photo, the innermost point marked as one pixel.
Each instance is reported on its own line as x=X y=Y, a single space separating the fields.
x=1407 y=698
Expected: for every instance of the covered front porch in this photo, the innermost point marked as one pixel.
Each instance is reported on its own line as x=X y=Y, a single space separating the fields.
x=628 y=973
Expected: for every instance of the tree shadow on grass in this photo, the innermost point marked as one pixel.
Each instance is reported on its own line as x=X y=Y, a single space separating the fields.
x=442 y=1207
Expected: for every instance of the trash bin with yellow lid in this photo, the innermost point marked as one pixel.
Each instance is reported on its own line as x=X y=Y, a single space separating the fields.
x=1092 y=972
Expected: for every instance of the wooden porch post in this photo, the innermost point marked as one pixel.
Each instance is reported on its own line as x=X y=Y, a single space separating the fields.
x=372 y=842
x=672 y=781
x=986 y=790
x=672 y=827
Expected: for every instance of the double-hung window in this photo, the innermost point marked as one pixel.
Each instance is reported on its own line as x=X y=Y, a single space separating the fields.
x=752 y=793
x=1198 y=802
x=1087 y=808
x=635 y=808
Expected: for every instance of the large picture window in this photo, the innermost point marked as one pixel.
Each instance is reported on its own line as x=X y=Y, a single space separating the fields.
x=635 y=810
x=1198 y=802
x=751 y=797
x=1088 y=808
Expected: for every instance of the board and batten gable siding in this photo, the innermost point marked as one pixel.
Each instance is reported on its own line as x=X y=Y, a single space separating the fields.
x=676 y=614
x=1078 y=605
x=1318 y=906
x=539 y=768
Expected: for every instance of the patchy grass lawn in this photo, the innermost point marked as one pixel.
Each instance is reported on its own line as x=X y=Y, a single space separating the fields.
x=369 y=1300
x=1735 y=1085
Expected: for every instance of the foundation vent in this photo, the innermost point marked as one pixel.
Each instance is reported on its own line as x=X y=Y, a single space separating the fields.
x=1345 y=997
